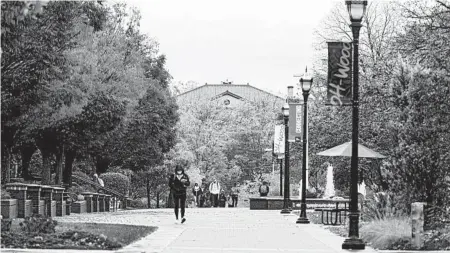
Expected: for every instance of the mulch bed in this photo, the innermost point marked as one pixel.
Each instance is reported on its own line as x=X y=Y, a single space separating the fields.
x=65 y=240
x=83 y=236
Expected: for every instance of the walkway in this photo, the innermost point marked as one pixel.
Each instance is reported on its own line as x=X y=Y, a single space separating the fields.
x=218 y=230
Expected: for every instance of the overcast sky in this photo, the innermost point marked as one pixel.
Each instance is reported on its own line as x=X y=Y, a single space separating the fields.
x=263 y=43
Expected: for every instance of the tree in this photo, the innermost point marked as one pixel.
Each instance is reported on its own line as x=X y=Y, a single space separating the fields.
x=33 y=57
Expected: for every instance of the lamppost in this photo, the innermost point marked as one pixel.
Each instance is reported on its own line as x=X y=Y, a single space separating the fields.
x=356 y=9
x=306 y=83
x=281 y=176
x=286 y=201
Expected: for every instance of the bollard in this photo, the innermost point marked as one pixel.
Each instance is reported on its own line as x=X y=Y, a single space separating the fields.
x=417 y=221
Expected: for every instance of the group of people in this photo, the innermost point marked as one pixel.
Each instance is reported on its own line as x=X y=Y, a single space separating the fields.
x=213 y=196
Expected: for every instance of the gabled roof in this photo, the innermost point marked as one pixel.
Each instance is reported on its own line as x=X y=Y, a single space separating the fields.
x=244 y=91
x=227 y=93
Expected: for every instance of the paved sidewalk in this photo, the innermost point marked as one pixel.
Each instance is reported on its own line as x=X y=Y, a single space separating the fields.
x=217 y=230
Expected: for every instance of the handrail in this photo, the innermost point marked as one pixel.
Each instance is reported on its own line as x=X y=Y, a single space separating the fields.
x=107 y=190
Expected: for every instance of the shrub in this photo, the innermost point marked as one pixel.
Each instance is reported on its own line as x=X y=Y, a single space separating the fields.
x=438 y=239
x=138 y=203
x=116 y=181
x=6 y=225
x=76 y=189
x=385 y=232
x=82 y=175
x=379 y=206
x=38 y=224
x=5 y=194
x=436 y=217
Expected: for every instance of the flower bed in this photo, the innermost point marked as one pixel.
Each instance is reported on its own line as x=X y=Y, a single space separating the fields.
x=44 y=233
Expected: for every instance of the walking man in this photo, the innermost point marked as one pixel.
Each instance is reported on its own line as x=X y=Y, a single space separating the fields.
x=204 y=194
x=214 y=189
x=178 y=183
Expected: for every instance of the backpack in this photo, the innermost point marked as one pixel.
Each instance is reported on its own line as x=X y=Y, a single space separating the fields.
x=264 y=189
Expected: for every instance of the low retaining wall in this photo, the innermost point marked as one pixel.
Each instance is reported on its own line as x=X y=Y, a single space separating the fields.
x=276 y=203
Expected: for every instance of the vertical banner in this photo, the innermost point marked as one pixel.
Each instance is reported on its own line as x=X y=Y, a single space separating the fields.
x=295 y=122
x=339 y=83
x=278 y=141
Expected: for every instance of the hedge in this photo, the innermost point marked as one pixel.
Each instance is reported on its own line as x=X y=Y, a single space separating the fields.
x=116 y=181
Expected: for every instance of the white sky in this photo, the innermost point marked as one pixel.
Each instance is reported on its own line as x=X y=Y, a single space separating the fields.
x=260 y=42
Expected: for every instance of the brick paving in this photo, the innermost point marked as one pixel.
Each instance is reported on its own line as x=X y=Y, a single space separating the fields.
x=217 y=230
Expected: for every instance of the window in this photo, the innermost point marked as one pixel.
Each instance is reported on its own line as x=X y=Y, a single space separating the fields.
x=226 y=102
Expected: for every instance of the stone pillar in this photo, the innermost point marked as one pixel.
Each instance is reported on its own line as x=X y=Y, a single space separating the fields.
x=88 y=198
x=58 y=196
x=34 y=193
x=417 y=221
x=66 y=198
x=19 y=191
x=50 y=204
x=101 y=202
x=79 y=206
x=9 y=208
x=95 y=203
x=107 y=202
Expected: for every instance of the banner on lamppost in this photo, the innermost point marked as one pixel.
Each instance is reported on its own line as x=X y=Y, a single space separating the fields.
x=278 y=142
x=295 y=120
x=339 y=83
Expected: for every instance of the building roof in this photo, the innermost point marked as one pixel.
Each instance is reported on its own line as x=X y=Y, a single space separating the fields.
x=213 y=91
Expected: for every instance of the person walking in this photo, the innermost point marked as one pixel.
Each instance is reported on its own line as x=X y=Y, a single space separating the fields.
x=197 y=192
x=178 y=183
x=100 y=182
x=234 y=195
x=222 y=198
x=214 y=189
x=203 y=195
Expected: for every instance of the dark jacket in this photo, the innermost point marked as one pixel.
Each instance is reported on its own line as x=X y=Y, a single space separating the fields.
x=177 y=187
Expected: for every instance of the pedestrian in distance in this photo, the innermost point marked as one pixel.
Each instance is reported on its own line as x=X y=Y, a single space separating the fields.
x=100 y=182
x=234 y=195
x=214 y=189
x=197 y=192
x=203 y=195
x=178 y=183
x=222 y=198
x=264 y=189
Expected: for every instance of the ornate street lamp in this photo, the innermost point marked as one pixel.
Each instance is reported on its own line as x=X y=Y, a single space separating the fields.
x=356 y=9
x=286 y=201
x=306 y=83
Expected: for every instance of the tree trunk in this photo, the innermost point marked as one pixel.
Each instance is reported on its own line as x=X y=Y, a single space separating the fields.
x=46 y=144
x=27 y=153
x=46 y=167
x=59 y=160
x=157 y=200
x=101 y=164
x=147 y=181
x=69 y=158
x=7 y=165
